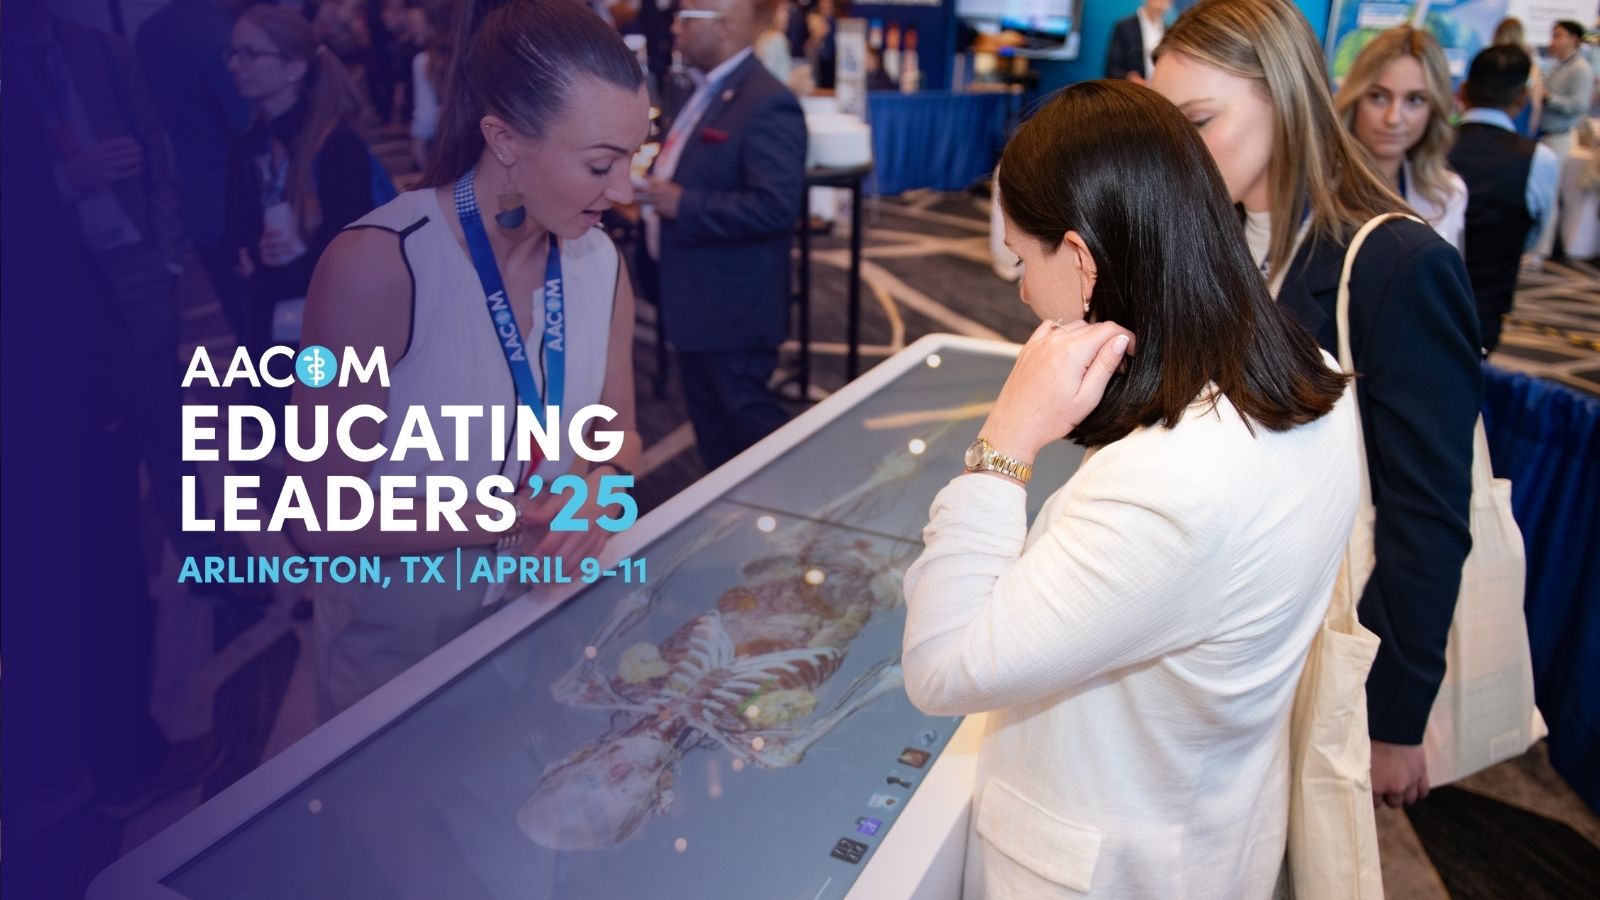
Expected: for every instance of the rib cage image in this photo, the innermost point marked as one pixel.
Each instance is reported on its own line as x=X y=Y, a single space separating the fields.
x=743 y=677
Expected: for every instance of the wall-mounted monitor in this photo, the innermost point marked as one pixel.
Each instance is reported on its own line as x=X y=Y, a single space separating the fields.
x=1046 y=23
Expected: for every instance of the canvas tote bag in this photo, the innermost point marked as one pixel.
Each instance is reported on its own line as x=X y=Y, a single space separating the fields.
x=1333 y=836
x=1484 y=712
x=1333 y=832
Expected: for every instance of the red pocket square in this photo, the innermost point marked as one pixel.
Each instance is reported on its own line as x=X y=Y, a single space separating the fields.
x=713 y=136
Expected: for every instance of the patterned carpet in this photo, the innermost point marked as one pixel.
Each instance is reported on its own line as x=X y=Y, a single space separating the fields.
x=1554 y=328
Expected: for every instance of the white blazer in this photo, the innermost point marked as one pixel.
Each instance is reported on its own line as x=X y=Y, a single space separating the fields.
x=1139 y=649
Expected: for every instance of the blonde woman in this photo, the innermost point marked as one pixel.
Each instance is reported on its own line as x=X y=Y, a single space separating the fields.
x=1509 y=32
x=1396 y=101
x=1249 y=75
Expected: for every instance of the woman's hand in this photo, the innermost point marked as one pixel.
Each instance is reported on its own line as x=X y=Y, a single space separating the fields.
x=1399 y=774
x=1058 y=379
x=537 y=516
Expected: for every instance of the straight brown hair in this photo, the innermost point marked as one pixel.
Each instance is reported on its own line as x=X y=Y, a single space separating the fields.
x=1120 y=165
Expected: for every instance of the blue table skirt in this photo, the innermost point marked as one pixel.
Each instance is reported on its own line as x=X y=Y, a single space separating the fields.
x=1545 y=437
x=935 y=139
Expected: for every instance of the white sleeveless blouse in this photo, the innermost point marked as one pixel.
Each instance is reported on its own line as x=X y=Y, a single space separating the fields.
x=454 y=355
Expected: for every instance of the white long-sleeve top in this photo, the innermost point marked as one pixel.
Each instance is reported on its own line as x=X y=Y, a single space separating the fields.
x=1137 y=650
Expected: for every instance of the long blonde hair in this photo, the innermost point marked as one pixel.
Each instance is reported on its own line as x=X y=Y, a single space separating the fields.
x=1428 y=163
x=331 y=99
x=1509 y=31
x=1314 y=159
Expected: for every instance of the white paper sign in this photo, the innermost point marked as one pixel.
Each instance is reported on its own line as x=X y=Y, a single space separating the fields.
x=850 y=76
x=1539 y=16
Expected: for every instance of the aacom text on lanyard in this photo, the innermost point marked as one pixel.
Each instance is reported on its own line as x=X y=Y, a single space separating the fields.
x=553 y=328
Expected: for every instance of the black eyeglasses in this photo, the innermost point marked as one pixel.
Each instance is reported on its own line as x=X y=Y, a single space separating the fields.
x=248 y=55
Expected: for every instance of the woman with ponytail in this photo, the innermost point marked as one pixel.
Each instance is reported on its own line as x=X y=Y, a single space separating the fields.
x=299 y=173
x=488 y=286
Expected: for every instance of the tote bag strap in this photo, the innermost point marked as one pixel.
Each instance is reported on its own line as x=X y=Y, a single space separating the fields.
x=1356 y=571
x=1343 y=312
x=1482 y=473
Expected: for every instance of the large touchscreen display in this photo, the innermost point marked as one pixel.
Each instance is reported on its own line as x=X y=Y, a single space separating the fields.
x=735 y=726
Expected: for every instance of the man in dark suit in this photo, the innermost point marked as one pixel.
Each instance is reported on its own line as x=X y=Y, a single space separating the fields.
x=182 y=50
x=1133 y=40
x=727 y=190
x=113 y=174
x=91 y=228
x=1511 y=182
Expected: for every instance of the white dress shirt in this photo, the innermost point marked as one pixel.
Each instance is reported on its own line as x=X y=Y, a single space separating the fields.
x=689 y=117
x=425 y=100
x=1137 y=651
x=1150 y=33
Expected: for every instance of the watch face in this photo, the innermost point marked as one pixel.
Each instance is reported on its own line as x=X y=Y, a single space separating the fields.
x=974 y=456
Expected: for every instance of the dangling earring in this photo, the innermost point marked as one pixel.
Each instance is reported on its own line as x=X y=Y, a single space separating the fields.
x=512 y=213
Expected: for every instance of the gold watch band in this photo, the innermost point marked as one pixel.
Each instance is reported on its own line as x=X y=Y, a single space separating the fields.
x=993 y=460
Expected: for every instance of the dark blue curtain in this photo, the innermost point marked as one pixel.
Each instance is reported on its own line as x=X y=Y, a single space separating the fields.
x=936 y=139
x=1546 y=438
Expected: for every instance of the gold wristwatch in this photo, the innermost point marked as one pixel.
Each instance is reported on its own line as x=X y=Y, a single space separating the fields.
x=983 y=457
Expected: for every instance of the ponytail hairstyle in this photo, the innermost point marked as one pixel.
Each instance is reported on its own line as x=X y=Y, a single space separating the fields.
x=1315 y=162
x=520 y=60
x=1429 y=162
x=330 y=96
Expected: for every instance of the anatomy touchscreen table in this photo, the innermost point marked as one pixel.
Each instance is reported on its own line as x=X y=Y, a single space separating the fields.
x=734 y=727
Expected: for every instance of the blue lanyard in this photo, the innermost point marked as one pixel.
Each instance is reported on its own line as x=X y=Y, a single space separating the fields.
x=553 y=328
x=1403 y=182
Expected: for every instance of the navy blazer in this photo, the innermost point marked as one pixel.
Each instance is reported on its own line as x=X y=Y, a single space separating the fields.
x=1126 y=52
x=1414 y=342
x=724 y=280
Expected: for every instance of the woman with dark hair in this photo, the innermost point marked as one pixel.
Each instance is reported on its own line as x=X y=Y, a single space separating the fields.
x=299 y=174
x=545 y=106
x=1137 y=649
x=1249 y=75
